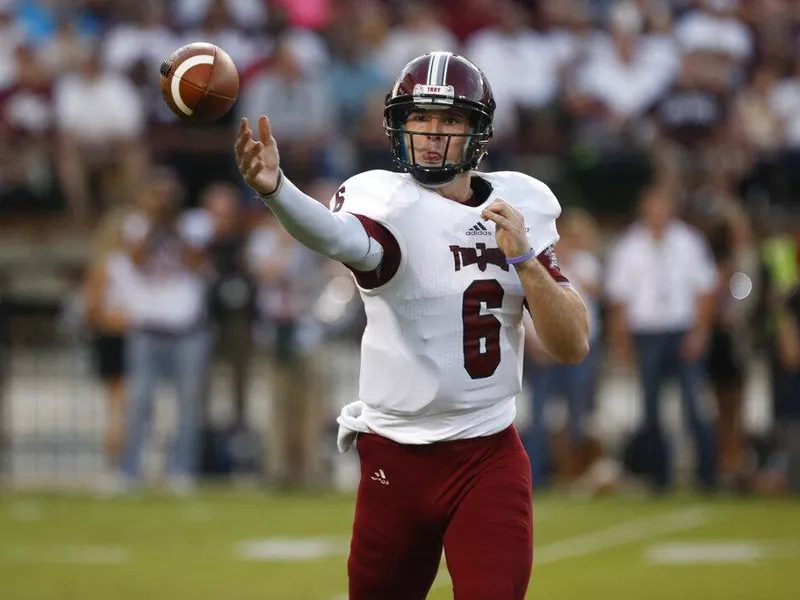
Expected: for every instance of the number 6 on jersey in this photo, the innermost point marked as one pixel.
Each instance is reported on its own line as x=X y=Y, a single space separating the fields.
x=481 y=331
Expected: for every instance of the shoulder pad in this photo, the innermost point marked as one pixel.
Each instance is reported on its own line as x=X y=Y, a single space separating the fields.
x=369 y=194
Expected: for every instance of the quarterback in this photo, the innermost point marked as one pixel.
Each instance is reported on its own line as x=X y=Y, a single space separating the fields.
x=447 y=259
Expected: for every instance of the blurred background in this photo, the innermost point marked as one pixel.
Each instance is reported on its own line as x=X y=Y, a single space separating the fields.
x=158 y=330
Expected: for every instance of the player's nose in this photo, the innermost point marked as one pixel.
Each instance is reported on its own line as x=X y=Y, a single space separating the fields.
x=433 y=128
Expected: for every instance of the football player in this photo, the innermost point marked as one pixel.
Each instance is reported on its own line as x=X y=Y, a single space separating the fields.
x=446 y=260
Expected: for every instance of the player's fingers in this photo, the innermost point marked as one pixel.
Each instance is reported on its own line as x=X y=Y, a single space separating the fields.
x=251 y=153
x=241 y=152
x=501 y=207
x=241 y=133
x=254 y=169
x=499 y=219
x=242 y=142
x=264 y=129
x=499 y=216
x=509 y=212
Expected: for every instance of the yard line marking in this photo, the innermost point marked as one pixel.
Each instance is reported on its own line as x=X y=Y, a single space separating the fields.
x=291 y=549
x=617 y=535
x=720 y=552
x=72 y=555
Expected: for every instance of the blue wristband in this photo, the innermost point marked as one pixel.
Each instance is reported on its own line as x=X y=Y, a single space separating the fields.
x=515 y=260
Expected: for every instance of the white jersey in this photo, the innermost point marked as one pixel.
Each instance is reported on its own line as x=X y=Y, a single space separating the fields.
x=441 y=355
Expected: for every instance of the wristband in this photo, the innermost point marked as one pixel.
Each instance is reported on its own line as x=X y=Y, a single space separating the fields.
x=515 y=260
x=277 y=189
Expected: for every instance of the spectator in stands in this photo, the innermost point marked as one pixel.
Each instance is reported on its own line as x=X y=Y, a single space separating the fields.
x=140 y=33
x=466 y=17
x=690 y=121
x=727 y=227
x=773 y=24
x=370 y=138
x=65 y=50
x=786 y=104
x=761 y=126
x=421 y=29
x=290 y=280
x=100 y=122
x=300 y=108
x=625 y=72
x=106 y=294
x=354 y=80
x=250 y=14
x=306 y=46
x=524 y=66
x=135 y=45
x=41 y=19
x=372 y=18
x=311 y=14
x=26 y=128
x=169 y=332
x=714 y=31
x=576 y=251
x=661 y=282
x=217 y=27
x=353 y=76
x=12 y=35
x=232 y=298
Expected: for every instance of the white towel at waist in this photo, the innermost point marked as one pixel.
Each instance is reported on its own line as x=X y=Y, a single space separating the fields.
x=351 y=423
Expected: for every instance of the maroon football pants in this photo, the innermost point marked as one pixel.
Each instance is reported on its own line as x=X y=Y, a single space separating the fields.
x=471 y=498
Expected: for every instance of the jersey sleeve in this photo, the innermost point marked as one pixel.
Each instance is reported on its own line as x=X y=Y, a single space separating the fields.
x=367 y=197
x=550 y=262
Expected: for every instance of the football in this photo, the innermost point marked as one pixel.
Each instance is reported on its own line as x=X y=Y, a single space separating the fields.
x=199 y=82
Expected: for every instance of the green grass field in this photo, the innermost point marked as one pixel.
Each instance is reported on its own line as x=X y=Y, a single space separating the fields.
x=246 y=545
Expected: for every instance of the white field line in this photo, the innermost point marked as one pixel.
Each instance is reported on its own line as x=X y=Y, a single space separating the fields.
x=71 y=555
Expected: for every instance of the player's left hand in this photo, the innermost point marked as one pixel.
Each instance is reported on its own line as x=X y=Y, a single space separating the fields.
x=510 y=228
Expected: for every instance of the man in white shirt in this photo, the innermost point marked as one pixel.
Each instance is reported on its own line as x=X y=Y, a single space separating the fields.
x=446 y=260
x=100 y=122
x=661 y=283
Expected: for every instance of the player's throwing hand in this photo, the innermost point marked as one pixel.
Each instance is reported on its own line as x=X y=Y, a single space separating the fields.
x=510 y=231
x=258 y=161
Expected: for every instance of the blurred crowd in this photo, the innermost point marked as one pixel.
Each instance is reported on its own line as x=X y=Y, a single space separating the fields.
x=682 y=114
x=172 y=292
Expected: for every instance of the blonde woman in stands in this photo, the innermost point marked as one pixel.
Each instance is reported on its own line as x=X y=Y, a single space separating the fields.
x=107 y=320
